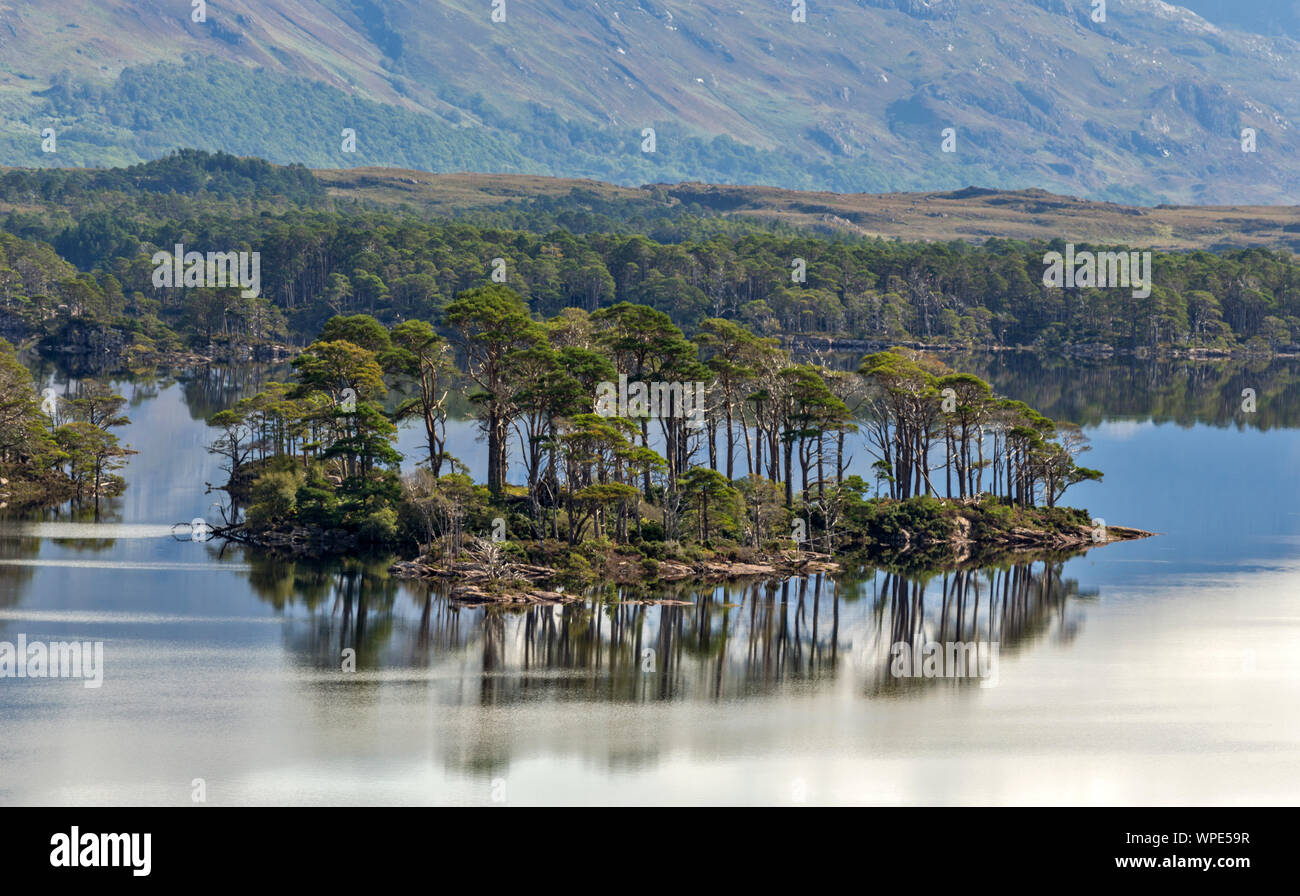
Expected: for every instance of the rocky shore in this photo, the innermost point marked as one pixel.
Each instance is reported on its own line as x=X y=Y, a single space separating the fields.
x=477 y=581
x=1025 y=540
x=483 y=573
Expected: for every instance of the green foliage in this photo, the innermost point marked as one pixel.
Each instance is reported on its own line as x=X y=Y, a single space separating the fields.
x=995 y=518
x=575 y=569
x=191 y=172
x=24 y=428
x=922 y=519
x=91 y=456
x=326 y=458
x=275 y=496
x=379 y=526
x=75 y=270
x=316 y=505
x=652 y=538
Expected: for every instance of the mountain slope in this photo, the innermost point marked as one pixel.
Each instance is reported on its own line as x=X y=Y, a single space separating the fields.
x=1147 y=106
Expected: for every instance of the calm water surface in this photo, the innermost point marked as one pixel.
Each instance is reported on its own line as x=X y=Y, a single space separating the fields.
x=1162 y=671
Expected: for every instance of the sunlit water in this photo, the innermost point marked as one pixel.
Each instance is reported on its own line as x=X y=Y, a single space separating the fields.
x=1162 y=671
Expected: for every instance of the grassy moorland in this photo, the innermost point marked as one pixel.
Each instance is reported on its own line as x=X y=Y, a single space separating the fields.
x=935 y=216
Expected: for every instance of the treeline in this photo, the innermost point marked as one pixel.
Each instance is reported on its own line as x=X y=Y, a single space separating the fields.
x=50 y=204
x=316 y=265
x=217 y=175
x=622 y=428
x=318 y=262
x=56 y=448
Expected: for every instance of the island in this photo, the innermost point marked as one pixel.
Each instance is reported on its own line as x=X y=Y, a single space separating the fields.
x=640 y=455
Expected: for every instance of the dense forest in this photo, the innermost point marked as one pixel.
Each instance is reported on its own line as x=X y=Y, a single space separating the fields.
x=76 y=272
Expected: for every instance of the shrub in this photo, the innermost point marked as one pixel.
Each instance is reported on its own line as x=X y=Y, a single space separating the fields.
x=379 y=526
x=924 y=519
x=652 y=531
x=274 y=497
x=695 y=552
x=573 y=568
x=656 y=550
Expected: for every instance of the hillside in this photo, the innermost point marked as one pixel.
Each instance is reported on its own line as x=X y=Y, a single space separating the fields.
x=969 y=214
x=1145 y=107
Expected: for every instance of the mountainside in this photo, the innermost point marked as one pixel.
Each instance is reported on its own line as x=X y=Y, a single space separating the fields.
x=1260 y=16
x=1147 y=106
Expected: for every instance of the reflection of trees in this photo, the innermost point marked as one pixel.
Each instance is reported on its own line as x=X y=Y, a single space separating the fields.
x=14 y=579
x=790 y=632
x=363 y=604
x=141 y=389
x=724 y=642
x=1178 y=390
x=1182 y=391
x=282 y=582
x=1010 y=606
x=137 y=387
x=214 y=387
x=109 y=511
x=350 y=605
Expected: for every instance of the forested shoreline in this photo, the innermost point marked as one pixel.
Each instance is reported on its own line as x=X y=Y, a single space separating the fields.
x=385 y=315
x=77 y=272
x=58 y=448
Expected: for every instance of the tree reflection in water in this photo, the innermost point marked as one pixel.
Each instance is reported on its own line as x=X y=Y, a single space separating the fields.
x=729 y=641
